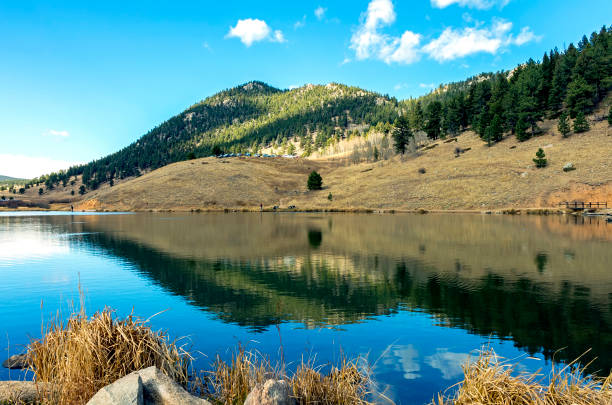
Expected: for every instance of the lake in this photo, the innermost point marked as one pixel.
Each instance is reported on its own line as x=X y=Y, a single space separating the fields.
x=415 y=294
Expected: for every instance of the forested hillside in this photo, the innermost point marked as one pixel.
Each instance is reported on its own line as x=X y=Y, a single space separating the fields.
x=566 y=84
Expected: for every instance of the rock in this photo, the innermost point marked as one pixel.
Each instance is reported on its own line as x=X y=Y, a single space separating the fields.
x=124 y=391
x=17 y=361
x=272 y=392
x=159 y=389
x=568 y=167
x=22 y=392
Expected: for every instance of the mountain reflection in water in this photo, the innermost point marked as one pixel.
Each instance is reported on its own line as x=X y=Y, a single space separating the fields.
x=543 y=282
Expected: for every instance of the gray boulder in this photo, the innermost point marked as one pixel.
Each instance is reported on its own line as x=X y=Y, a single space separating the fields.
x=159 y=389
x=145 y=387
x=22 y=392
x=568 y=167
x=17 y=361
x=124 y=391
x=272 y=392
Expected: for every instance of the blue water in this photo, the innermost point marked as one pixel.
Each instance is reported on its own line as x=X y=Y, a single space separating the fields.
x=415 y=295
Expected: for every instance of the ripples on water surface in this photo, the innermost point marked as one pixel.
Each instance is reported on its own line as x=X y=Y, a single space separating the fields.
x=416 y=294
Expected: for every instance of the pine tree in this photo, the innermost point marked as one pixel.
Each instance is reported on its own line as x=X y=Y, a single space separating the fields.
x=579 y=96
x=315 y=181
x=417 y=117
x=563 y=125
x=521 y=130
x=610 y=115
x=433 y=126
x=540 y=159
x=401 y=134
x=580 y=123
x=494 y=132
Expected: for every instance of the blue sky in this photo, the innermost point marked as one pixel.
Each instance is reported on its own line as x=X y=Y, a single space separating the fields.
x=79 y=79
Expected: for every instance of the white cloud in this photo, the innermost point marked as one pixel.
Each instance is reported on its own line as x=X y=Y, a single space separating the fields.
x=526 y=35
x=479 y=4
x=448 y=363
x=427 y=85
x=369 y=42
x=403 y=358
x=278 y=36
x=345 y=61
x=252 y=30
x=301 y=23
x=320 y=12
x=54 y=132
x=408 y=49
x=29 y=167
x=457 y=43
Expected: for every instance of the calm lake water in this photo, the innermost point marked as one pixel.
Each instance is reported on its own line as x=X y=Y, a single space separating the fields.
x=415 y=294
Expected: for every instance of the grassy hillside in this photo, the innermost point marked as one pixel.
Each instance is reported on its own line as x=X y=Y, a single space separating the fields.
x=314 y=118
x=483 y=177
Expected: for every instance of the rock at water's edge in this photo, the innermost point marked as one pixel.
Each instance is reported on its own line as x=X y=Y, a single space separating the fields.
x=272 y=392
x=124 y=391
x=18 y=392
x=17 y=361
x=159 y=389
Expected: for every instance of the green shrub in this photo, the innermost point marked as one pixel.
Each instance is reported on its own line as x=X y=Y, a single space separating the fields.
x=540 y=159
x=315 y=181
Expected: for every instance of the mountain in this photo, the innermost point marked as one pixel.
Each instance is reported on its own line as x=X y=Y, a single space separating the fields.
x=245 y=117
x=254 y=116
x=9 y=178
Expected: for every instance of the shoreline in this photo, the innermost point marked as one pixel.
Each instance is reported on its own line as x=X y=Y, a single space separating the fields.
x=354 y=210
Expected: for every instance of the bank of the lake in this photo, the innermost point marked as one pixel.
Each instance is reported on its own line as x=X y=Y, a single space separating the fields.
x=415 y=294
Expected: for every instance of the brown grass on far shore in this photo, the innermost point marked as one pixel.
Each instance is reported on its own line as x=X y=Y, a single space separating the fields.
x=490 y=381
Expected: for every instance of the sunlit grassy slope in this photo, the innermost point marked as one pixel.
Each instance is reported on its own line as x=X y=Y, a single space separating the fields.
x=482 y=178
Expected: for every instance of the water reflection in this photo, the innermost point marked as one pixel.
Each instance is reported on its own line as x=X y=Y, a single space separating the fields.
x=542 y=282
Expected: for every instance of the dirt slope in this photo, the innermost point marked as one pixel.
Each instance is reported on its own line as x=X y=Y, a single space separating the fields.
x=484 y=177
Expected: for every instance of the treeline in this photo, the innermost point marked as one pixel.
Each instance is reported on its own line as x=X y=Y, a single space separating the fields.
x=255 y=115
x=492 y=104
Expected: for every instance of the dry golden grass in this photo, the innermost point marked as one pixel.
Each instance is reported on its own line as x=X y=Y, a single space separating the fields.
x=490 y=381
x=231 y=383
x=496 y=177
x=344 y=384
x=79 y=356
x=83 y=354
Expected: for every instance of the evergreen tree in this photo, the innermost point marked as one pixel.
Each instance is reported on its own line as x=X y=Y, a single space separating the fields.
x=82 y=190
x=494 y=132
x=40 y=191
x=417 y=117
x=315 y=181
x=580 y=123
x=433 y=126
x=529 y=85
x=540 y=159
x=453 y=116
x=563 y=125
x=561 y=77
x=401 y=134
x=579 y=96
x=521 y=130
x=610 y=115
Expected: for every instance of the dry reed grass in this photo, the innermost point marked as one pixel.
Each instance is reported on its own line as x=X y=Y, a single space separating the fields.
x=491 y=381
x=343 y=385
x=83 y=354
